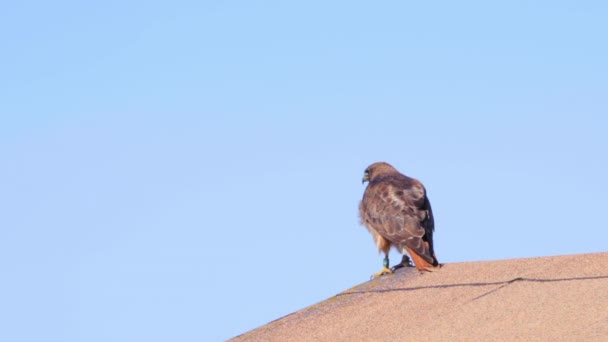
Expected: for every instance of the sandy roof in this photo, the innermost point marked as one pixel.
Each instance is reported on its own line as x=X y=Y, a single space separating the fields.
x=548 y=298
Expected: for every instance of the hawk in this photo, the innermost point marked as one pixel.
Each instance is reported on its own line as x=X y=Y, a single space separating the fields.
x=397 y=212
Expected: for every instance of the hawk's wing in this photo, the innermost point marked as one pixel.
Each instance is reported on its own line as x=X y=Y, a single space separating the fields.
x=399 y=211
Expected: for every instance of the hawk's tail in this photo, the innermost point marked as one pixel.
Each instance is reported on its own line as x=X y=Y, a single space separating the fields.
x=424 y=263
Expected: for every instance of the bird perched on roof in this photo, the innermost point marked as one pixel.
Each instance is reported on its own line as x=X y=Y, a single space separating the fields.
x=397 y=212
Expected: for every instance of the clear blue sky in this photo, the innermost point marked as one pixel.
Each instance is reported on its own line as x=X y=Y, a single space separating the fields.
x=190 y=170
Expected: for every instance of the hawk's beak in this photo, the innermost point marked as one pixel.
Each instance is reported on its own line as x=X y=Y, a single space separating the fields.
x=365 y=178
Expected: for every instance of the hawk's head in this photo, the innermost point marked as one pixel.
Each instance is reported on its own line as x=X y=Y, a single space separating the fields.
x=376 y=170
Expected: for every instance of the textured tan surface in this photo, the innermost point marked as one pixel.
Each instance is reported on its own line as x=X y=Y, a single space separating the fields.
x=561 y=298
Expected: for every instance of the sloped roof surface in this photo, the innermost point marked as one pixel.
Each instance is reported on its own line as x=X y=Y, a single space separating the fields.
x=548 y=298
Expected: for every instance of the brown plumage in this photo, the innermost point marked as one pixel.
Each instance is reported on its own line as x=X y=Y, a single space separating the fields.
x=397 y=212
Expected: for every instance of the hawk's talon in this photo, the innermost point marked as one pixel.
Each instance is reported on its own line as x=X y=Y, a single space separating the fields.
x=384 y=271
x=405 y=262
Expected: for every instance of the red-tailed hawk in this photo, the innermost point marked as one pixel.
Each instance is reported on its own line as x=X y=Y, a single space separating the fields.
x=397 y=212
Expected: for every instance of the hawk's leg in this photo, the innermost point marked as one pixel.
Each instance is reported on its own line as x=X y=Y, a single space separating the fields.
x=405 y=262
x=384 y=270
